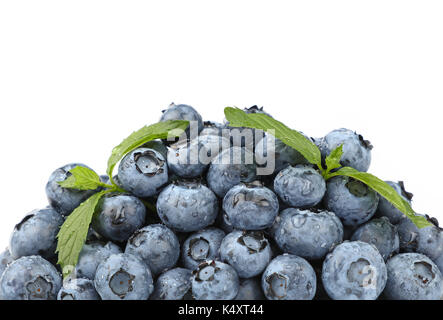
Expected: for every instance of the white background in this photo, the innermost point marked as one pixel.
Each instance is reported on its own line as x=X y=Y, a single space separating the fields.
x=76 y=77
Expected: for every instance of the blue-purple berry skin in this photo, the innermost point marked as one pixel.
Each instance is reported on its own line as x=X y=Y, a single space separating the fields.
x=36 y=234
x=174 y=284
x=78 y=289
x=201 y=246
x=300 y=186
x=289 y=277
x=351 y=200
x=413 y=276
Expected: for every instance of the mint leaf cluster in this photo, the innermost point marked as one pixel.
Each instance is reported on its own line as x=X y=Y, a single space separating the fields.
x=294 y=139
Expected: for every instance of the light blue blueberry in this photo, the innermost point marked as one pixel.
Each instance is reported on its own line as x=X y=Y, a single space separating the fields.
x=174 y=284
x=250 y=289
x=214 y=280
x=30 y=278
x=300 y=186
x=354 y=270
x=123 y=277
x=248 y=252
x=310 y=234
x=351 y=200
x=184 y=159
x=289 y=277
x=36 y=234
x=78 y=289
x=201 y=246
x=143 y=172
x=156 y=245
x=183 y=112
x=250 y=206
x=187 y=206
x=413 y=276
x=119 y=216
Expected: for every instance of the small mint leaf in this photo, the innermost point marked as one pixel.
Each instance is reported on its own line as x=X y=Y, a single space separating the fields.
x=386 y=191
x=74 y=231
x=160 y=130
x=292 y=138
x=81 y=178
x=333 y=159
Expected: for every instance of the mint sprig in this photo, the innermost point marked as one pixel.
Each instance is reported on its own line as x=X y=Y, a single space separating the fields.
x=74 y=230
x=294 y=139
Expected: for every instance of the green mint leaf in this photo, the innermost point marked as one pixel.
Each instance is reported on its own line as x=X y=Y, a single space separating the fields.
x=160 y=130
x=292 y=138
x=386 y=191
x=333 y=159
x=74 y=231
x=82 y=178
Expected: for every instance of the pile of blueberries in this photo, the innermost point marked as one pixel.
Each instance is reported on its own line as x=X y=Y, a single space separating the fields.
x=221 y=231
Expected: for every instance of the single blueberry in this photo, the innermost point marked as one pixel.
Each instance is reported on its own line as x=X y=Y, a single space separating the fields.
x=300 y=187
x=229 y=168
x=156 y=245
x=123 y=277
x=119 y=216
x=351 y=200
x=143 y=172
x=289 y=277
x=183 y=112
x=356 y=150
x=413 y=276
x=214 y=280
x=354 y=270
x=250 y=206
x=201 y=246
x=36 y=234
x=310 y=234
x=248 y=252
x=174 y=284
x=187 y=206
x=65 y=200
x=380 y=233
x=30 y=278
x=185 y=160
x=250 y=289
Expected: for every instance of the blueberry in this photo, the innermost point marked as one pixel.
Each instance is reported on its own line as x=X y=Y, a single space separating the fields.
x=386 y=209
x=214 y=280
x=201 y=246
x=356 y=150
x=438 y=262
x=248 y=252
x=36 y=234
x=90 y=257
x=310 y=234
x=224 y=223
x=143 y=172
x=250 y=206
x=289 y=277
x=184 y=159
x=250 y=289
x=187 y=206
x=229 y=168
x=428 y=240
x=413 y=276
x=158 y=146
x=62 y=199
x=300 y=187
x=183 y=112
x=30 y=278
x=354 y=271
x=119 y=216
x=283 y=154
x=174 y=284
x=380 y=233
x=123 y=276
x=156 y=245
x=351 y=200
x=78 y=289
